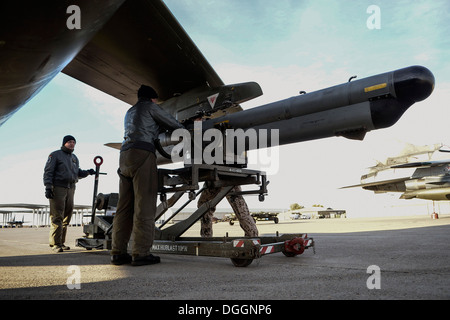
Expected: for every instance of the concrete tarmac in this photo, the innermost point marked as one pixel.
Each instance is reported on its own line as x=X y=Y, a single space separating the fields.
x=400 y=257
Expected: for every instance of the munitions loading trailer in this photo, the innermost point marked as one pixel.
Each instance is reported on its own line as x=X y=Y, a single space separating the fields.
x=257 y=216
x=168 y=239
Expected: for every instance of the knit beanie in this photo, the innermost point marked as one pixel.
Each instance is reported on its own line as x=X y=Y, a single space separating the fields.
x=148 y=92
x=68 y=138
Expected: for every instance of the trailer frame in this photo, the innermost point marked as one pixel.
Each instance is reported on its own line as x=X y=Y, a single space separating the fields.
x=168 y=239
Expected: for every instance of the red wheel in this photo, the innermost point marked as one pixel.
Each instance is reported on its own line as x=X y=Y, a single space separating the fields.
x=294 y=247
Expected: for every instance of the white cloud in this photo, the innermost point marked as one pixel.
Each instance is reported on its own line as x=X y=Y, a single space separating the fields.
x=106 y=107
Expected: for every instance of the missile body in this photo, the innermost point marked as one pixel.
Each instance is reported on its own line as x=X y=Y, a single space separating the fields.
x=349 y=110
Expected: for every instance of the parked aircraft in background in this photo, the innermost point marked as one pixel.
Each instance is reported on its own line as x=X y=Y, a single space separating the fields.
x=430 y=179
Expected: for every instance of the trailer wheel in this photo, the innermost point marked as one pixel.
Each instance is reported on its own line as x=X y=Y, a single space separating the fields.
x=241 y=262
x=293 y=247
x=231 y=222
x=288 y=254
x=275 y=219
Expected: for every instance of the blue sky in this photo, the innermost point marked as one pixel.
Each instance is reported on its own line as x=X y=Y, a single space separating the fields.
x=285 y=46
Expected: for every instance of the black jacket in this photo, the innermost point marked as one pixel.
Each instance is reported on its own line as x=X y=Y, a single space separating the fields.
x=144 y=122
x=62 y=170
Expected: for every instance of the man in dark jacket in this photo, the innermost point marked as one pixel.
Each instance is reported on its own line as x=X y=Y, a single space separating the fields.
x=138 y=185
x=61 y=173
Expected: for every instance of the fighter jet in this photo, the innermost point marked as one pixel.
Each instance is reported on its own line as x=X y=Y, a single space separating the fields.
x=16 y=223
x=429 y=179
x=120 y=44
x=409 y=153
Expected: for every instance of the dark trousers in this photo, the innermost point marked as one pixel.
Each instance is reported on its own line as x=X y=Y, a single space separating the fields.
x=61 y=208
x=136 y=208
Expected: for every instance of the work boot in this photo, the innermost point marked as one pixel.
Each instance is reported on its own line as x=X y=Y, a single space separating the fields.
x=64 y=247
x=150 y=259
x=119 y=259
x=57 y=249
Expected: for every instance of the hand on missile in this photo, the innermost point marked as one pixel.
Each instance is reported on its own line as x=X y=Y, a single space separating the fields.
x=91 y=171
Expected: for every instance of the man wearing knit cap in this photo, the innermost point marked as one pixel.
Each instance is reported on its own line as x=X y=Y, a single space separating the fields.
x=61 y=173
x=138 y=185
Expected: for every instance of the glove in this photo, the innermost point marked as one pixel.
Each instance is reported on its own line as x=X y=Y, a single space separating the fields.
x=49 y=193
x=91 y=171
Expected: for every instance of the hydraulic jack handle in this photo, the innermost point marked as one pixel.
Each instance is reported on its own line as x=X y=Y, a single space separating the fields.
x=98 y=161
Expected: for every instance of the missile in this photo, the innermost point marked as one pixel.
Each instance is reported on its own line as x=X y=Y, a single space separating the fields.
x=349 y=110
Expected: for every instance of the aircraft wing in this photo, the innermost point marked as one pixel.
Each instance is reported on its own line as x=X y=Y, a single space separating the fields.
x=422 y=164
x=114 y=145
x=120 y=45
x=142 y=43
x=373 y=185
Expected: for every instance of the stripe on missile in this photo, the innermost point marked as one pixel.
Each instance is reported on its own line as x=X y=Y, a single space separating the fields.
x=375 y=87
